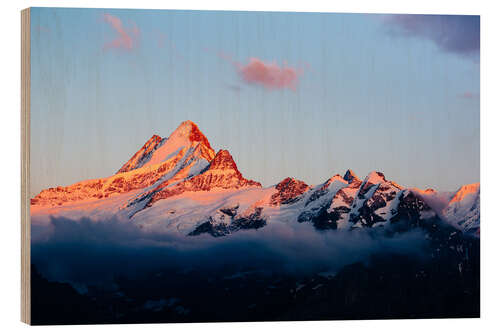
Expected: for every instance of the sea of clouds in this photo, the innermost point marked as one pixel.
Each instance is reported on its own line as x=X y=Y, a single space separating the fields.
x=85 y=251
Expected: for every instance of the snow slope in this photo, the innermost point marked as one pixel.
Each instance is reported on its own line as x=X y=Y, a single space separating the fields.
x=179 y=185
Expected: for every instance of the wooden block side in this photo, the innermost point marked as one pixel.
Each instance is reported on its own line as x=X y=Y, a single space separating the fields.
x=25 y=168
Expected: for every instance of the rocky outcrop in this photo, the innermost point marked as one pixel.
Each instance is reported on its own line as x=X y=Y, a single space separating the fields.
x=222 y=173
x=288 y=191
x=142 y=155
x=350 y=203
x=225 y=222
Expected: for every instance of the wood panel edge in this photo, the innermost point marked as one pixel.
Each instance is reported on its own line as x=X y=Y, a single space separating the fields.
x=25 y=167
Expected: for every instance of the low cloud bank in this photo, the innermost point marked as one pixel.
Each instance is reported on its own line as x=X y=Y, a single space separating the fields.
x=86 y=251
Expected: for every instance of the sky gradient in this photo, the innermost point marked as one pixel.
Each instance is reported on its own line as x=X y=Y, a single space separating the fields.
x=305 y=95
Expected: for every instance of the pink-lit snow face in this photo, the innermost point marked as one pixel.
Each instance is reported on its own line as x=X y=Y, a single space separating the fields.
x=465 y=192
x=269 y=75
x=126 y=38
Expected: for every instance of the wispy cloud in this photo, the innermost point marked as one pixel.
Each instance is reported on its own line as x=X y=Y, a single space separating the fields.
x=269 y=75
x=126 y=38
x=468 y=95
x=459 y=34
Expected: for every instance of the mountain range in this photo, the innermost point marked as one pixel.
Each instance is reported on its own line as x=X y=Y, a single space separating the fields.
x=182 y=184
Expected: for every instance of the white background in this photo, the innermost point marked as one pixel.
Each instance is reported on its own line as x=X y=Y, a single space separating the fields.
x=490 y=142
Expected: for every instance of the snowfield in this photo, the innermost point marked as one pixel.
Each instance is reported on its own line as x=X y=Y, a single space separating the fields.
x=179 y=185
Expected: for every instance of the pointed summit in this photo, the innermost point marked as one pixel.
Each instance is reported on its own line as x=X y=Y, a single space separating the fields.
x=350 y=176
x=335 y=178
x=223 y=169
x=188 y=130
x=223 y=161
x=186 y=137
x=288 y=191
x=375 y=177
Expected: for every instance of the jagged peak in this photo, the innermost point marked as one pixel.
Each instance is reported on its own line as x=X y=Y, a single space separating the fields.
x=158 y=150
x=350 y=176
x=334 y=178
x=375 y=177
x=142 y=153
x=284 y=182
x=190 y=131
x=223 y=160
x=288 y=191
x=289 y=181
x=223 y=163
x=152 y=142
x=155 y=137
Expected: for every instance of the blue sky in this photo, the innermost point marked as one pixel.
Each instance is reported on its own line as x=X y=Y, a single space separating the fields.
x=398 y=94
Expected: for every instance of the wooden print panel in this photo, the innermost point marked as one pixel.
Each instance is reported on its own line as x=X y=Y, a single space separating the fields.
x=197 y=166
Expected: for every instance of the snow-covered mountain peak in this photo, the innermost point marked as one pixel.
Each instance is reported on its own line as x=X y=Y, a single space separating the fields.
x=221 y=173
x=187 y=138
x=466 y=192
x=223 y=160
x=336 y=177
x=463 y=210
x=223 y=167
x=181 y=180
x=333 y=179
x=188 y=130
x=350 y=176
x=288 y=191
x=375 y=177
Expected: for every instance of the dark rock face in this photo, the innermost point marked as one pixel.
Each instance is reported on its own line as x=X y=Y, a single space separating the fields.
x=208 y=227
x=367 y=212
x=252 y=221
x=230 y=211
x=289 y=191
x=315 y=196
x=321 y=218
x=323 y=189
x=351 y=177
x=408 y=214
x=222 y=227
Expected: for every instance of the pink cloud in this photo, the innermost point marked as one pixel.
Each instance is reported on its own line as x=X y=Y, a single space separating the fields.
x=126 y=38
x=468 y=95
x=269 y=75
